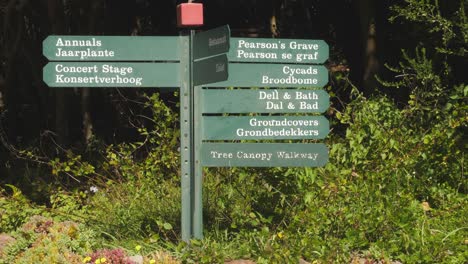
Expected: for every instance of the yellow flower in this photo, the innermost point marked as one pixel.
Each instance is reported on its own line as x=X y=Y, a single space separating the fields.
x=86 y=259
x=138 y=248
x=280 y=235
x=100 y=261
x=152 y=261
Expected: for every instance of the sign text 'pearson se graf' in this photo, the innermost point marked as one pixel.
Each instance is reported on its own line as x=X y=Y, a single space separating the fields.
x=301 y=51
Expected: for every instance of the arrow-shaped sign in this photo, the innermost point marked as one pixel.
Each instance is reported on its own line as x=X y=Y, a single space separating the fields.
x=101 y=74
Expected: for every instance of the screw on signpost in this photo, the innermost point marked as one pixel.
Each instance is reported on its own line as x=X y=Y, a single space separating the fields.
x=189 y=15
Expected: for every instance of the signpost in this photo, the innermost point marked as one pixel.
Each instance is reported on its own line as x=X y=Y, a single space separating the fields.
x=209 y=68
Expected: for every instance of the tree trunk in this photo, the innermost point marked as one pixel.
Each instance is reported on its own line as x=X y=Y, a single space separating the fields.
x=56 y=21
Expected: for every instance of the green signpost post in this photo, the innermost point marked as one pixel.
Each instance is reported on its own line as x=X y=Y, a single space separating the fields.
x=212 y=71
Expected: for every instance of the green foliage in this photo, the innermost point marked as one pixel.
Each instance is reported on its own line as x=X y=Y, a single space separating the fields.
x=73 y=166
x=429 y=73
x=10 y=217
x=153 y=157
x=436 y=112
x=377 y=179
x=69 y=205
x=262 y=246
x=418 y=74
x=448 y=29
x=141 y=210
x=138 y=197
x=41 y=240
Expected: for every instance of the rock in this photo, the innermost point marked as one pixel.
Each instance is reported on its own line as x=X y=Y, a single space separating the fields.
x=37 y=224
x=240 y=261
x=136 y=259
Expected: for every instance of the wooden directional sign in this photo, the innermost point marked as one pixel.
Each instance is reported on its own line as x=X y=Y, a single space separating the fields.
x=274 y=75
x=111 y=48
x=213 y=69
x=301 y=51
x=263 y=155
x=264 y=127
x=264 y=101
x=211 y=42
x=100 y=74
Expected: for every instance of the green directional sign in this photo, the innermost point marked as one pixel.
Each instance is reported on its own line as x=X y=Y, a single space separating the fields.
x=198 y=63
x=211 y=42
x=263 y=155
x=274 y=75
x=301 y=51
x=214 y=69
x=100 y=74
x=111 y=48
x=264 y=127
x=264 y=101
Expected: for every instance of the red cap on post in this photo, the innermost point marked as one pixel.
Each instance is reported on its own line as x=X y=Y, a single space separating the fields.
x=190 y=15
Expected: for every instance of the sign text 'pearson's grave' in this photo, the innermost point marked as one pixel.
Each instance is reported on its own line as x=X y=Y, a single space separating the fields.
x=278 y=50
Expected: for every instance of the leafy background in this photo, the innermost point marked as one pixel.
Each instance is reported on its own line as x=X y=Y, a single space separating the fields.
x=92 y=176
